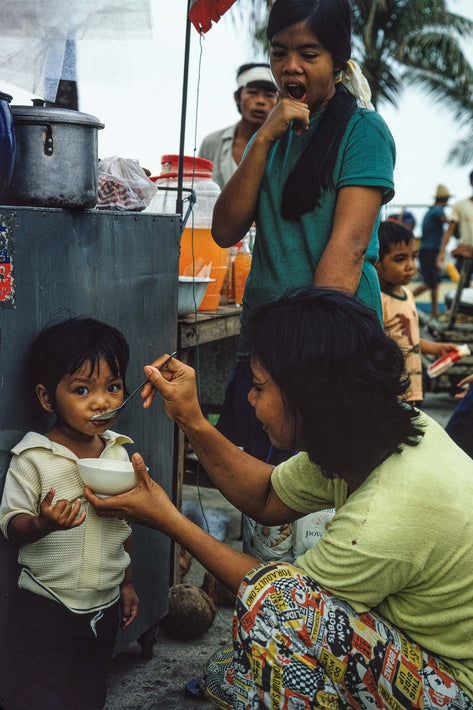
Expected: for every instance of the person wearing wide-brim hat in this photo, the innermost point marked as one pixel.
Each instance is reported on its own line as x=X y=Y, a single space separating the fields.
x=432 y=233
x=442 y=194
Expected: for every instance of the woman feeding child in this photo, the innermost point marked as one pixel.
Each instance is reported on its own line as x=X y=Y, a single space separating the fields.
x=380 y=612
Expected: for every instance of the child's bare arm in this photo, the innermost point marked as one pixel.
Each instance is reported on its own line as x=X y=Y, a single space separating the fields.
x=24 y=528
x=429 y=347
x=129 y=599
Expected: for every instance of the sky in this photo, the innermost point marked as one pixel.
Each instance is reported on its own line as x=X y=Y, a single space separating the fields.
x=141 y=103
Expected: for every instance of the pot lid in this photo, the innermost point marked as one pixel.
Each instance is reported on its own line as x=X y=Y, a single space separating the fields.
x=52 y=114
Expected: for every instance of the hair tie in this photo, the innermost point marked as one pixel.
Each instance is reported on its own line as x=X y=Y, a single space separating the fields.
x=356 y=83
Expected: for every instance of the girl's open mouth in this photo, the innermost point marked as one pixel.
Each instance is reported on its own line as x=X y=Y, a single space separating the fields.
x=295 y=91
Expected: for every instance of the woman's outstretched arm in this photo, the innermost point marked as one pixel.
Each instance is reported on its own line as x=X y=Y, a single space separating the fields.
x=244 y=480
x=148 y=504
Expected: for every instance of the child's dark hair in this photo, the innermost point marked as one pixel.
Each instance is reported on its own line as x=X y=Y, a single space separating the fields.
x=330 y=21
x=339 y=374
x=390 y=233
x=62 y=348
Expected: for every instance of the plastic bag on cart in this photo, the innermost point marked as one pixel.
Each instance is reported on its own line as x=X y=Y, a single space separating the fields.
x=123 y=185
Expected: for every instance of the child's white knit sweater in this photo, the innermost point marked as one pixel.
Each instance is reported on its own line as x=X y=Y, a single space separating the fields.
x=82 y=567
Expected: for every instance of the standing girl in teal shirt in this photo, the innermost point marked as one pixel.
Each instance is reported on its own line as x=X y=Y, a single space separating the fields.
x=313 y=178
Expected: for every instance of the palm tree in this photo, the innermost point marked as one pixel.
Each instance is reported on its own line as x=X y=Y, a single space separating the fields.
x=415 y=42
x=399 y=43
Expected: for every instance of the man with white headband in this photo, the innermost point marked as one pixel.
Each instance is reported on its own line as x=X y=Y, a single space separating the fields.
x=255 y=97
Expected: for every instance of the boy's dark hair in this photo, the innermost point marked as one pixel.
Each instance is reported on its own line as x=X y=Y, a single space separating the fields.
x=62 y=348
x=340 y=373
x=330 y=21
x=390 y=233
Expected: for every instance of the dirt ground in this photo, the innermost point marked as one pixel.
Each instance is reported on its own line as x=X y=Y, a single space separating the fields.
x=158 y=684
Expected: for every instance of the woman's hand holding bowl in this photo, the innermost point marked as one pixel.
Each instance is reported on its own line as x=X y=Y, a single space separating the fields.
x=147 y=504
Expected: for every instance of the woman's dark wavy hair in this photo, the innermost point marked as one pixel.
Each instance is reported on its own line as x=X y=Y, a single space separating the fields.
x=330 y=22
x=62 y=348
x=339 y=371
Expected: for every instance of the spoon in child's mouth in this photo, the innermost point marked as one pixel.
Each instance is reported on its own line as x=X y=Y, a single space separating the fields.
x=114 y=412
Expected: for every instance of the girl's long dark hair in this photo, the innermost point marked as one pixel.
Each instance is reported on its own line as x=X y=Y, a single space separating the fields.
x=330 y=22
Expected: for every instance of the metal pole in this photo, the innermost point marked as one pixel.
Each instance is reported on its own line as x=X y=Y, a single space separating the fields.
x=185 y=81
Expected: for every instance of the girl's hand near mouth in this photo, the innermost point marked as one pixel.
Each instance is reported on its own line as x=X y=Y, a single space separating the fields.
x=285 y=112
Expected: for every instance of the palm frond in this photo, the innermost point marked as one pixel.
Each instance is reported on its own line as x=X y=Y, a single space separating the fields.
x=462 y=151
x=442 y=90
x=436 y=51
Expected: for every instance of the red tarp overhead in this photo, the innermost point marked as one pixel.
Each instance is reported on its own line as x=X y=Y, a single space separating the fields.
x=203 y=12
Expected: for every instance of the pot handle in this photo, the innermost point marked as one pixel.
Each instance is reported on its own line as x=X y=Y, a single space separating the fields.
x=48 y=141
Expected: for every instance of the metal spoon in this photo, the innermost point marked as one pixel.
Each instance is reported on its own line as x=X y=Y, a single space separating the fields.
x=113 y=412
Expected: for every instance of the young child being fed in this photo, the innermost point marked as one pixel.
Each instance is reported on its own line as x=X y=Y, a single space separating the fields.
x=75 y=568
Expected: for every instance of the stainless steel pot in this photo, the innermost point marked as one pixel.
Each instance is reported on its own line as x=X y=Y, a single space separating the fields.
x=56 y=158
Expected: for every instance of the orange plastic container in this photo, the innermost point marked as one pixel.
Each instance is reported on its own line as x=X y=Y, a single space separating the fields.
x=211 y=299
x=197 y=244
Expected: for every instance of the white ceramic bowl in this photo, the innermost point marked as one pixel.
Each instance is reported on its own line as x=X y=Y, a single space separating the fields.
x=190 y=287
x=107 y=477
